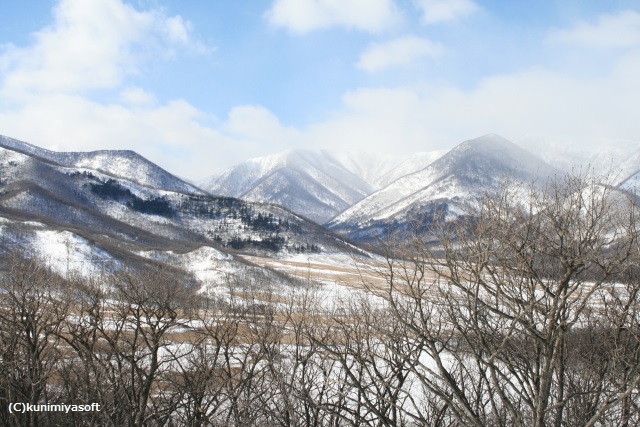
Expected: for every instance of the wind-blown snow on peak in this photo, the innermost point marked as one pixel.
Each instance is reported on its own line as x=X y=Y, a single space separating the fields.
x=628 y=173
x=414 y=163
x=315 y=184
x=498 y=155
x=450 y=185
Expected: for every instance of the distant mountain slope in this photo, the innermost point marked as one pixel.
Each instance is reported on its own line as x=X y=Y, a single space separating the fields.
x=416 y=162
x=315 y=184
x=116 y=163
x=628 y=173
x=368 y=166
x=450 y=186
x=88 y=201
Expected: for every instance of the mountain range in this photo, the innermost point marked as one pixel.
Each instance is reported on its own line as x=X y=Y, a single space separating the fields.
x=363 y=199
x=450 y=186
x=317 y=184
x=87 y=211
x=313 y=183
x=113 y=208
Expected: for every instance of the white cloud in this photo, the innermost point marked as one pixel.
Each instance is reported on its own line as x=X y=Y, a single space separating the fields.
x=582 y=113
x=92 y=44
x=136 y=96
x=304 y=16
x=397 y=52
x=547 y=108
x=98 y=44
x=378 y=120
x=620 y=30
x=175 y=135
x=260 y=125
x=437 y=11
x=178 y=29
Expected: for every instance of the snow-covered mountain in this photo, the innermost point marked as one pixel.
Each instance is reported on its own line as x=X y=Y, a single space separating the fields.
x=128 y=206
x=316 y=184
x=627 y=174
x=115 y=163
x=94 y=209
x=369 y=166
x=451 y=185
x=414 y=163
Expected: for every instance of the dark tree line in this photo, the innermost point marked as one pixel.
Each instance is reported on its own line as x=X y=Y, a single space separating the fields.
x=272 y=243
x=222 y=209
x=111 y=189
x=218 y=207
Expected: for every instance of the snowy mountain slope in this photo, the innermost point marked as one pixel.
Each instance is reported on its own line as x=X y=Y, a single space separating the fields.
x=315 y=184
x=366 y=165
x=628 y=172
x=416 y=162
x=116 y=163
x=615 y=158
x=74 y=252
x=111 y=217
x=632 y=183
x=450 y=185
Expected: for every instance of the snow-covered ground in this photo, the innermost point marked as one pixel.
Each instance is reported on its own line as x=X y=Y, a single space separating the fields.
x=207 y=264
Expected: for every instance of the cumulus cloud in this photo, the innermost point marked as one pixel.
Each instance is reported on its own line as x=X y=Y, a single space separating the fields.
x=260 y=125
x=537 y=103
x=136 y=96
x=620 y=30
x=92 y=44
x=437 y=11
x=397 y=52
x=304 y=16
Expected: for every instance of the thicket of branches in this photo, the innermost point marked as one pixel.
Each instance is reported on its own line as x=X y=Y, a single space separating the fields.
x=525 y=315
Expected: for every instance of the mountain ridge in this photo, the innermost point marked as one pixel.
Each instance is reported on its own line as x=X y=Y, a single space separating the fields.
x=118 y=163
x=312 y=183
x=453 y=183
x=101 y=213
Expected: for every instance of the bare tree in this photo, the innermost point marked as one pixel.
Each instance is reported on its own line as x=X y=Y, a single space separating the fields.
x=373 y=358
x=31 y=315
x=527 y=311
x=123 y=357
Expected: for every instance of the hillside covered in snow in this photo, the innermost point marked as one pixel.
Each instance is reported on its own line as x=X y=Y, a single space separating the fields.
x=109 y=208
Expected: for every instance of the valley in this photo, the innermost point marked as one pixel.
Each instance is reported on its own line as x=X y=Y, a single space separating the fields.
x=454 y=283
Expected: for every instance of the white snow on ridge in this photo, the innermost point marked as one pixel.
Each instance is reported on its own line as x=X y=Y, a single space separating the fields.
x=415 y=163
x=208 y=265
x=315 y=184
x=9 y=157
x=462 y=175
x=118 y=163
x=67 y=253
x=387 y=196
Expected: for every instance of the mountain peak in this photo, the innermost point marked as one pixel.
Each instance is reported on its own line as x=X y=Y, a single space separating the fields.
x=494 y=151
x=116 y=163
x=490 y=138
x=313 y=183
x=490 y=143
x=452 y=184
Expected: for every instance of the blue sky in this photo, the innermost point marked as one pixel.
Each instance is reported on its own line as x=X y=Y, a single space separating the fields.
x=199 y=85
